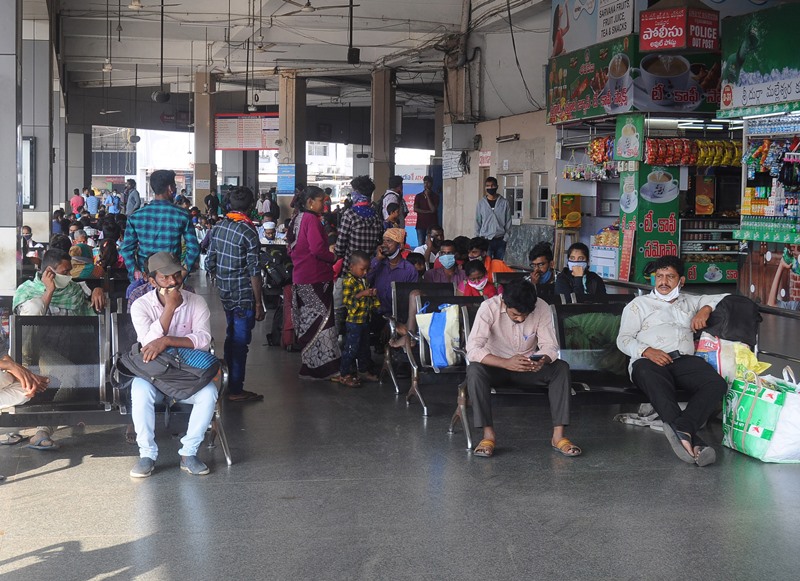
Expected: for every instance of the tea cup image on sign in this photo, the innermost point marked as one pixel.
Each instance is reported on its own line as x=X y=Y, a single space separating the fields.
x=619 y=73
x=661 y=187
x=663 y=75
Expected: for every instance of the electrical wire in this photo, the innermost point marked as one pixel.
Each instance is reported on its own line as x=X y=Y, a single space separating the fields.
x=528 y=94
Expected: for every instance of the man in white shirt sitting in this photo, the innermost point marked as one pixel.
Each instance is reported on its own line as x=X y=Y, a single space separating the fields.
x=656 y=331
x=430 y=250
x=165 y=317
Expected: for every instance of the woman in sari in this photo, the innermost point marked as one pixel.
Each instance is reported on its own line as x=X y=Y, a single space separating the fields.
x=312 y=288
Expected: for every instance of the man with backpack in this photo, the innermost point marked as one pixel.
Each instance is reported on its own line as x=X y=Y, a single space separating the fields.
x=164 y=318
x=394 y=195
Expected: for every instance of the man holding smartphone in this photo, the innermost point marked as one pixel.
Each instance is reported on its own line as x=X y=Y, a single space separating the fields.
x=513 y=342
x=656 y=331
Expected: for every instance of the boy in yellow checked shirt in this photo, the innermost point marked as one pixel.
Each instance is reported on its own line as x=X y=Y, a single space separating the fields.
x=360 y=301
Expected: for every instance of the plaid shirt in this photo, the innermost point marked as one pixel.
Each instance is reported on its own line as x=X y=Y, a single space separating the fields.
x=233 y=256
x=158 y=227
x=358 y=310
x=357 y=233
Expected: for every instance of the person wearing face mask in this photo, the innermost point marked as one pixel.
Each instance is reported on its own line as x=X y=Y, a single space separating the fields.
x=577 y=278
x=477 y=283
x=478 y=249
x=52 y=292
x=656 y=332
x=450 y=271
x=30 y=250
x=540 y=259
x=389 y=266
x=493 y=219
x=513 y=342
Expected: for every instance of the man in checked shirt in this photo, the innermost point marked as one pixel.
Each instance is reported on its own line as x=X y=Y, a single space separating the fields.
x=233 y=259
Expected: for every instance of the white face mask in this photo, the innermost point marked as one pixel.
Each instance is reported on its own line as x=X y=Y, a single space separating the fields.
x=479 y=285
x=673 y=294
x=61 y=280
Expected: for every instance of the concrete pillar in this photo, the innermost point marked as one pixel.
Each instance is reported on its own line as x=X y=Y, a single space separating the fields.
x=37 y=95
x=383 y=121
x=10 y=144
x=438 y=128
x=250 y=170
x=205 y=165
x=79 y=161
x=292 y=132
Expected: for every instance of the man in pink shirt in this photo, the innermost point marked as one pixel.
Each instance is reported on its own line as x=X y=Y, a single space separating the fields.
x=165 y=317
x=513 y=342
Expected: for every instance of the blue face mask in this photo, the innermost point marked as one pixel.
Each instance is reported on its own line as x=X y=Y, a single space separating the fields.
x=546 y=276
x=448 y=260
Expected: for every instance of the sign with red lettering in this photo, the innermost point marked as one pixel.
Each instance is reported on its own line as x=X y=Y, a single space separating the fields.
x=679 y=29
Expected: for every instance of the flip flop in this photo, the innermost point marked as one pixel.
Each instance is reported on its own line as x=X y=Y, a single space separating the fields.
x=674 y=437
x=707 y=455
x=11 y=439
x=41 y=445
x=485 y=449
x=245 y=396
x=564 y=446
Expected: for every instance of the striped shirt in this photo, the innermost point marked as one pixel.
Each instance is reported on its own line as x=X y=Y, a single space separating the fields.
x=158 y=227
x=233 y=256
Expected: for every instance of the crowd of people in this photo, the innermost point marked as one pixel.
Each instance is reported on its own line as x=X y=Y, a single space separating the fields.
x=344 y=261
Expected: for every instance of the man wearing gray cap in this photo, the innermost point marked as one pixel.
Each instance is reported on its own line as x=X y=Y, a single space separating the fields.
x=168 y=317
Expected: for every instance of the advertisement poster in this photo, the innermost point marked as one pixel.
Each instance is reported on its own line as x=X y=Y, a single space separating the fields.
x=576 y=24
x=614 y=78
x=629 y=141
x=679 y=29
x=656 y=215
x=760 y=71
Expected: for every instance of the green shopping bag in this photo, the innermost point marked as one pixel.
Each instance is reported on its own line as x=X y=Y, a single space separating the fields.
x=762 y=422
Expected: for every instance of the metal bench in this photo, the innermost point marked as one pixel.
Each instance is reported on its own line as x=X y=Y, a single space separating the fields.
x=123 y=335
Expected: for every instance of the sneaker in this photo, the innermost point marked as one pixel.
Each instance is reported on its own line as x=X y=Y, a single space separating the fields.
x=143 y=469
x=193 y=466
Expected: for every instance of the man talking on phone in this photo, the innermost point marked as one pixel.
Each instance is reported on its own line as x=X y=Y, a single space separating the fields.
x=513 y=342
x=656 y=331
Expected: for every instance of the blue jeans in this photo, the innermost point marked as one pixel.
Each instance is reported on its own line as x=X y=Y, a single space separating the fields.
x=237 y=339
x=356 y=349
x=143 y=412
x=497 y=248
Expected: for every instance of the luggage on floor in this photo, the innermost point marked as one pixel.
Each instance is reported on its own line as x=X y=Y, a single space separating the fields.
x=761 y=418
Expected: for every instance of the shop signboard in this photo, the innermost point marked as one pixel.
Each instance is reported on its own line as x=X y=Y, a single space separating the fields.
x=577 y=24
x=680 y=28
x=614 y=78
x=760 y=69
x=629 y=140
x=656 y=216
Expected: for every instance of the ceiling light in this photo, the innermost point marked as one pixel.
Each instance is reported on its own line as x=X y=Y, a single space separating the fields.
x=107 y=68
x=507 y=138
x=762 y=116
x=135 y=5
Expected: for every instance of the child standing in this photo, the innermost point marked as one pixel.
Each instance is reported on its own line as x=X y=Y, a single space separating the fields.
x=359 y=300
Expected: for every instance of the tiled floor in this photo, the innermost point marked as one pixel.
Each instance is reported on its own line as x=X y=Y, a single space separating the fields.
x=331 y=483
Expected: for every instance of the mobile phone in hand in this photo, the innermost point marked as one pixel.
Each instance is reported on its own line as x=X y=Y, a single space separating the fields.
x=536 y=357
x=674 y=355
